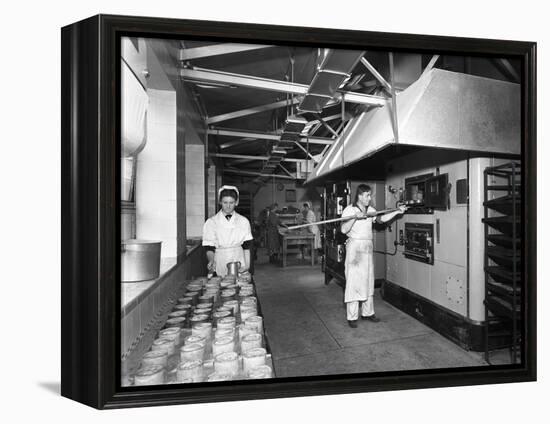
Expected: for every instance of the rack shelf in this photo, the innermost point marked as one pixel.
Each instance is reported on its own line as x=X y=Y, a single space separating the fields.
x=497 y=220
x=501 y=307
x=502 y=274
x=504 y=256
x=502 y=259
x=502 y=289
x=505 y=204
x=498 y=187
x=503 y=240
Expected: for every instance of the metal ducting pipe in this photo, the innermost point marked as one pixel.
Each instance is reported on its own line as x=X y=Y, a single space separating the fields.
x=332 y=73
x=133 y=113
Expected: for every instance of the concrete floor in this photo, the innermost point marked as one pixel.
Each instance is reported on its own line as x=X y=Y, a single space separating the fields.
x=306 y=327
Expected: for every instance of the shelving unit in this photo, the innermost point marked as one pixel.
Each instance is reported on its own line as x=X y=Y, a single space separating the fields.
x=502 y=260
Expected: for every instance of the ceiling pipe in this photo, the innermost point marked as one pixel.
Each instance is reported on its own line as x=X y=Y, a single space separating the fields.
x=217 y=50
x=249 y=111
x=251 y=157
x=198 y=75
x=257 y=174
x=265 y=136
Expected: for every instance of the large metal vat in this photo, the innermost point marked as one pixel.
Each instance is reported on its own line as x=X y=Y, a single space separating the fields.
x=140 y=260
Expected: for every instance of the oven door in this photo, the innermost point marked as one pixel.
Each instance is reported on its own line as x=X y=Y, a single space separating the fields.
x=419 y=242
x=436 y=193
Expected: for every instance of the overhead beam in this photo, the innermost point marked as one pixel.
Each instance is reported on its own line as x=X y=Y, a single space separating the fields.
x=327 y=126
x=208 y=75
x=265 y=136
x=285 y=159
x=217 y=50
x=328 y=118
x=248 y=134
x=509 y=69
x=231 y=156
x=305 y=151
x=250 y=111
x=315 y=124
x=316 y=140
x=395 y=124
x=375 y=73
x=340 y=127
x=233 y=162
x=360 y=98
x=315 y=128
x=337 y=116
x=430 y=65
x=199 y=74
x=286 y=170
x=236 y=142
x=257 y=174
x=236 y=156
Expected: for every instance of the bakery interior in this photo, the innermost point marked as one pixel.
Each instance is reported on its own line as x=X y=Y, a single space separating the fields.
x=290 y=125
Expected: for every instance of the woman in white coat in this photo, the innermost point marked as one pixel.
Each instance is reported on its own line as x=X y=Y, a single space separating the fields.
x=359 y=264
x=226 y=236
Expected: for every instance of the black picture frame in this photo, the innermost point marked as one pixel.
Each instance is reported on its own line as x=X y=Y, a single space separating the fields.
x=91 y=212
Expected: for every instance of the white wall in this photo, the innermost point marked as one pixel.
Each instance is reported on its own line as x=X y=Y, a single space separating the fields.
x=156 y=207
x=212 y=188
x=194 y=189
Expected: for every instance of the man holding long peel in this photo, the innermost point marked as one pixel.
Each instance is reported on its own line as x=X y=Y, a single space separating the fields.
x=359 y=265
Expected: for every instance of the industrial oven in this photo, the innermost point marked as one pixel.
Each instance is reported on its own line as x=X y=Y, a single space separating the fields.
x=437 y=274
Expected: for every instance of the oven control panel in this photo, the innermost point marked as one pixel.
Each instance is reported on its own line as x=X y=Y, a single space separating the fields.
x=419 y=242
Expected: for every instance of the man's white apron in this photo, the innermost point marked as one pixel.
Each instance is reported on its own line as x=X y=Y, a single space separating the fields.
x=359 y=268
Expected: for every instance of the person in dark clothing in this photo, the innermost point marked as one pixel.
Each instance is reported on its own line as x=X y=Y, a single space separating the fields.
x=262 y=226
x=273 y=242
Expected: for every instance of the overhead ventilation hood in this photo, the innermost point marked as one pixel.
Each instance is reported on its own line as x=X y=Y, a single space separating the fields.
x=442 y=109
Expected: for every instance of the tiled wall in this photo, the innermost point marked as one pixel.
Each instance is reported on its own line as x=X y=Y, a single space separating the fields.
x=212 y=191
x=195 y=189
x=156 y=174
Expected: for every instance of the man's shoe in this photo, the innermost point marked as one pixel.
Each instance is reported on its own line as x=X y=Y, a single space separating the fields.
x=352 y=324
x=372 y=318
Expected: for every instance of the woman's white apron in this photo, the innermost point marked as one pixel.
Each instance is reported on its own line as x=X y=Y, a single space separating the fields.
x=225 y=255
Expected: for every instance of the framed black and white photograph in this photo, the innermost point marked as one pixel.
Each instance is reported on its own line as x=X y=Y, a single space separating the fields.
x=255 y=211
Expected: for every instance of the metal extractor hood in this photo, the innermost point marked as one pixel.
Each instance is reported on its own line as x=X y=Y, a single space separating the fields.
x=442 y=109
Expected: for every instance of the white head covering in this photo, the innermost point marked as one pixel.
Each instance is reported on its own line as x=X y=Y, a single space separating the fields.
x=228 y=187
